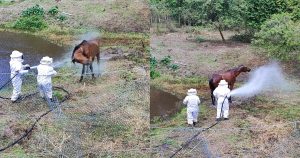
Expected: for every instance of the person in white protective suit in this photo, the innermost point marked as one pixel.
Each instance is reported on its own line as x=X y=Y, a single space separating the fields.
x=17 y=69
x=192 y=101
x=45 y=72
x=220 y=93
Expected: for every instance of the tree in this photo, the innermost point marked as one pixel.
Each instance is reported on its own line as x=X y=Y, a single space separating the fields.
x=279 y=36
x=258 y=11
x=224 y=13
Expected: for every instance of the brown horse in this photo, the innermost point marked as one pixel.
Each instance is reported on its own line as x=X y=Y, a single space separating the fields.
x=229 y=76
x=85 y=53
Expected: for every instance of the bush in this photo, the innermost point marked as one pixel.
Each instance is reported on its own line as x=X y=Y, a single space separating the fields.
x=62 y=17
x=200 y=39
x=244 y=38
x=279 y=37
x=166 y=60
x=174 y=67
x=33 y=11
x=153 y=72
x=32 y=23
x=53 y=11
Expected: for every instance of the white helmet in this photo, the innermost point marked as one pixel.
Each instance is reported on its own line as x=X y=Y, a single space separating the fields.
x=46 y=60
x=223 y=82
x=16 y=54
x=192 y=91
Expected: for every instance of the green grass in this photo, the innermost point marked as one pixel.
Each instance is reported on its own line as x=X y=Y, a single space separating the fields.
x=199 y=80
x=100 y=10
x=17 y=152
x=242 y=123
x=291 y=113
x=6 y=2
x=200 y=39
x=106 y=128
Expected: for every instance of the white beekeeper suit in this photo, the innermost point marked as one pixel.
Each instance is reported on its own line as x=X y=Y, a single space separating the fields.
x=220 y=93
x=45 y=72
x=17 y=69
x=192 y=101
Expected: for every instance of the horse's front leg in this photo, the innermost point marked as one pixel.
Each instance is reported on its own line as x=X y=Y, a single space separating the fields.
x=83 y=70
x=212 y=97
x=91 y=67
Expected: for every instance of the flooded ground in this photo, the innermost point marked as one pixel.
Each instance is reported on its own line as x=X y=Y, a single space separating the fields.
x=163 y=103
x=33 y=48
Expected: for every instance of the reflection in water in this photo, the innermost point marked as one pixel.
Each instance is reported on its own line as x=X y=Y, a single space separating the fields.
x=34 y=49
x=163 y=103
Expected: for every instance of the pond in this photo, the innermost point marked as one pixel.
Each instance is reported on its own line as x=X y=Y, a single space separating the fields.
x=163 y=103
x=33 y=48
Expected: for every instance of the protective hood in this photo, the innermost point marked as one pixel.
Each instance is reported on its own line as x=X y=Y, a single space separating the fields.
x=192 y=92
x=16 y=56
x=223 y=83
x=46 y=60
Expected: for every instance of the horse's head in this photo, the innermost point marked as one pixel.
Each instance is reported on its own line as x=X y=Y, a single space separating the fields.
x=243 y=68
x=78 y=49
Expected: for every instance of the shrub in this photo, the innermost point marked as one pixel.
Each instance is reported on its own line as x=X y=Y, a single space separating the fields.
x=200 y=39
x=166 y=60
x=279 y=37
x=174 y=67
x=62 y=17
x=53 y=11
x=244 y=38
x=35 y=10
x=32 y=23
x=153 y=72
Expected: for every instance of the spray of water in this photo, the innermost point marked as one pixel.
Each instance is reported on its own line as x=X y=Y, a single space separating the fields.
x=90 y=35
x=265 y=78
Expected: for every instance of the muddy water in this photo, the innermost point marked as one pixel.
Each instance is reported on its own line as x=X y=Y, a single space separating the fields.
x=34 y=49
x=163 y=103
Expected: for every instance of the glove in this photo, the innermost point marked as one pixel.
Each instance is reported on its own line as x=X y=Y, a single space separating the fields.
x=27 y=68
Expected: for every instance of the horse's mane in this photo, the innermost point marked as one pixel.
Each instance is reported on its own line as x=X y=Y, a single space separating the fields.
x=78 y=46
x=234 y=68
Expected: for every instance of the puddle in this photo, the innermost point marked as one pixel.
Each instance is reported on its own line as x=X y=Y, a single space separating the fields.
x=163 y=103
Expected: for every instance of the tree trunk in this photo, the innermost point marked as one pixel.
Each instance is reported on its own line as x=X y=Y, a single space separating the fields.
x=220 y=30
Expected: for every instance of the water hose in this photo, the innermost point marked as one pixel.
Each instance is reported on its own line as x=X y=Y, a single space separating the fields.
x=205 y=129
x=29 y=130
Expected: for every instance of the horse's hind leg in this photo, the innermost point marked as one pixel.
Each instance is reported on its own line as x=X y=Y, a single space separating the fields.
x=91 y=67
x=83 y=70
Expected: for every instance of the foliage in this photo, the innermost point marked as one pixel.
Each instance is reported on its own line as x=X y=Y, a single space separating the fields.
x=244 y=37
x=33 y=11
x=258 y=11
x=32 y=23
x=174 y=67
x=31 y=19
x=166 y=60
x=53 y=11
x=153 y=65
x=279 y=36
x=200 y=39
x=62 y=17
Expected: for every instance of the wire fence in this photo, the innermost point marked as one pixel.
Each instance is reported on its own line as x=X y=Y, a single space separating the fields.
x=213 y=142
x=99 y=119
